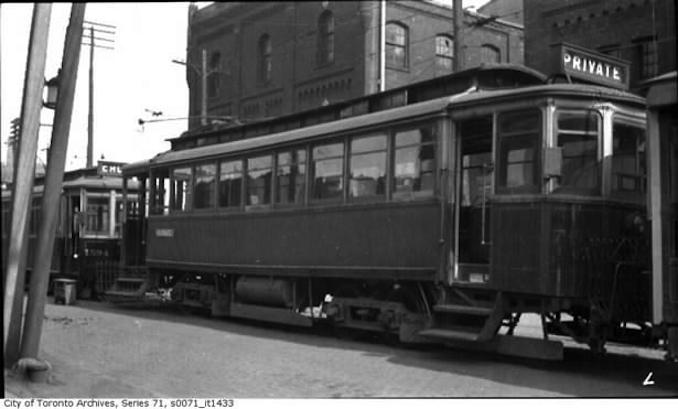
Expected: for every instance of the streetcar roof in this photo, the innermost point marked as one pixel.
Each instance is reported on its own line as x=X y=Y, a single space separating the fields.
x=413 y=111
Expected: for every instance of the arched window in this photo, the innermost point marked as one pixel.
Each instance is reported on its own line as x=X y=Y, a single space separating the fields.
x=396 y=45
x=325 y=38
x=213 y=73
x=265 y=65
x=490 y=54
x=444 y=53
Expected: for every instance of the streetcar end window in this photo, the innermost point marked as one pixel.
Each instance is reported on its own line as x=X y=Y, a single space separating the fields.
x=578 y=137
x=628 y=161
x=519 y=148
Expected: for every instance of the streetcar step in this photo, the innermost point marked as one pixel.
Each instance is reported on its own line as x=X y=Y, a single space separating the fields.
x=449 y=334
x=461 y=309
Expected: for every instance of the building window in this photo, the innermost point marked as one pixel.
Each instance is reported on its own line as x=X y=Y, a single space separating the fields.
x=489 y=54
x=414 y=162
x=328 y=172
x=367 y=171
x=578 y=137
x=259 y=171
x=213 y=72
x=291 y=177
x=613 y=50
x=396 y=45
x=205 y=179
x=325 y=38
x=519 y=147
x=444 y=54
x=230 y=183
x=646 y=57
x=265 y=65
x=182 y=180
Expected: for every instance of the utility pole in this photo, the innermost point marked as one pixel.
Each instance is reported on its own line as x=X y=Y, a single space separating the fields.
x=24 y=176
x=100 y=29
x=458 y=21
x=56 y=161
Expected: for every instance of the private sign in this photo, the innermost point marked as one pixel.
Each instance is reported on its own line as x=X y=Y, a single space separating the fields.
x=595 y=67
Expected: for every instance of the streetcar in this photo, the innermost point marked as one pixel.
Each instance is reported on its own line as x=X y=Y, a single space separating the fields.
x=87 y=241
x=443 y=211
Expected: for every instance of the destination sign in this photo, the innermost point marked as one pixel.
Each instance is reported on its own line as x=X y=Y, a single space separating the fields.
x=109 y=168
x=591 y=66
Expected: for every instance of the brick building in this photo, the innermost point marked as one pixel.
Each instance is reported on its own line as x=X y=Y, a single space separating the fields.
x=642 y=32
x=266 y=59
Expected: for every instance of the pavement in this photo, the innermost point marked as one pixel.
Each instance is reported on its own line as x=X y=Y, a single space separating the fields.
x=97 y=350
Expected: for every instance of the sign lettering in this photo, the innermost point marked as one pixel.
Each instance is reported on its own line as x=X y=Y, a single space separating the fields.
x=594 y=67
x=109 y=168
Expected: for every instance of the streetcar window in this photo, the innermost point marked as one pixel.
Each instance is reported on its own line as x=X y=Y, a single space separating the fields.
x=259 y=171
x=160 y=198
x=205 y=181
x=291 y=177
x=328 y=171
x=96 y=216
x=628 y=160
x=181 y=188
x=578 y=137
x=230 y=183
x=519 y=145
x=414 y=162
x=368 y=167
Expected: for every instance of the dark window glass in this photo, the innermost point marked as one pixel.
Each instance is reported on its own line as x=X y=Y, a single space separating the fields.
x=628 y=160
x=205 y=181
x=182 y=180
x=259 y=171
x=368 y=167
x=265 y=65
x=230 y=183
x=328 y=171
x=325 y=38
x=414 y=162
x=96 y=217
x=647 y=57
x=519 y=146
x=213 y=73
x=291 y=177
x=578 y=137
x=444 y=54
x=396 y=45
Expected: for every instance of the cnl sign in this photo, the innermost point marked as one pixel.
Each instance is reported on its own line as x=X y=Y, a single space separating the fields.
x=593 y=67
x=109 y=168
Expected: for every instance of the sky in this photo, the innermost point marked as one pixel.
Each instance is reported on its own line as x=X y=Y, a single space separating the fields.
x=136 y=76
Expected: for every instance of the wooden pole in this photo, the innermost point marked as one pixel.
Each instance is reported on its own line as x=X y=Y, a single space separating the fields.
x=90 y=115
x=56 y=163
x=203 y=90
x=34 y=82
x=458 y=21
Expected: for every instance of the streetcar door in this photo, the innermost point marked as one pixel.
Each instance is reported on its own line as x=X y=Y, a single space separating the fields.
x=474 y=188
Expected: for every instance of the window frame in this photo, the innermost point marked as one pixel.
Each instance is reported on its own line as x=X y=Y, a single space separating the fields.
x=312 y=200
x=241 y=188
x=567 y=189
x=441 y=56
x=265 y=59
x=501 y=169
x=246 y=181
x=390 y=45
x=631 y=195
x=326 y=39
x=396 y=196
x=214 y=200
x=276 y=185
x=377 y=197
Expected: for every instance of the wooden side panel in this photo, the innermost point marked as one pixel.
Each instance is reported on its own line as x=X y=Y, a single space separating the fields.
x=515 y=247
x=375 y=236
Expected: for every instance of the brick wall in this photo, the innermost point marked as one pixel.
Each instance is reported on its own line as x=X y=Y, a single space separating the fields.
x=611 y=26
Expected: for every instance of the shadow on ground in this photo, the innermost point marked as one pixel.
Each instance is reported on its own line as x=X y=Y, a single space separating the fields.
x=580 y=374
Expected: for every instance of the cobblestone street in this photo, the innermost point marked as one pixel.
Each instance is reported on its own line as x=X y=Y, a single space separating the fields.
x=98 y=350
